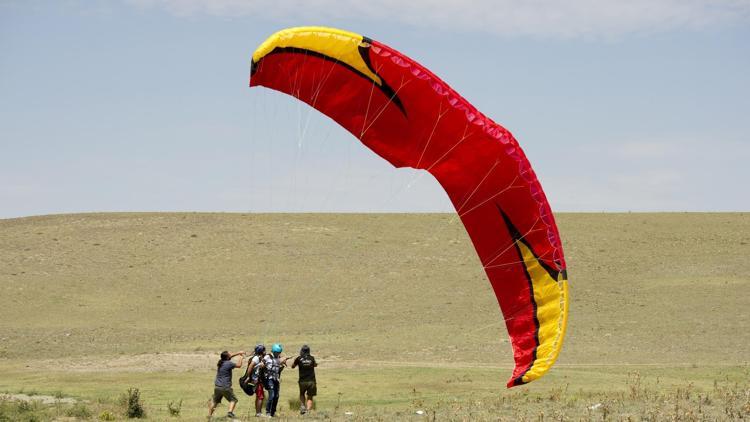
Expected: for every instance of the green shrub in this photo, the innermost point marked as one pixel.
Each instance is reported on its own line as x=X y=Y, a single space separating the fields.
x=22 y=411
x=78 y=410
x=106 y=416
x=24 y=406
x=134 y=407
x=174 y=408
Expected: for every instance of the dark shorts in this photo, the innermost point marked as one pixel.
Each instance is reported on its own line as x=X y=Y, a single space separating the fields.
x=308 y=387
x=225 y=392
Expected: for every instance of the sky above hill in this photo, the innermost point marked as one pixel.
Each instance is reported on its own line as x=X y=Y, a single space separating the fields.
x=143 y=105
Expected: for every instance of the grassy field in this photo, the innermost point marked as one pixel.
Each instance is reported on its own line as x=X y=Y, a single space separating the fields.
x=395 y=307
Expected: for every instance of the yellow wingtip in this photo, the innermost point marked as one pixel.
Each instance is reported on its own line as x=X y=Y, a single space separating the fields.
x=544 y=363
x=285 y=36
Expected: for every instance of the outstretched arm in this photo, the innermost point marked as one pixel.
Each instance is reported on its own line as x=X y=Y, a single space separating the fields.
x=242 y=358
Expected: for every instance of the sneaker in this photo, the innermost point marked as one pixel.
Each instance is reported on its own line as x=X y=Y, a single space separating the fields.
x=258 y=415
x=230 y=415
x=302 y=409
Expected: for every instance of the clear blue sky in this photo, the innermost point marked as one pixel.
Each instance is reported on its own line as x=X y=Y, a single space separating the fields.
x=143 y=105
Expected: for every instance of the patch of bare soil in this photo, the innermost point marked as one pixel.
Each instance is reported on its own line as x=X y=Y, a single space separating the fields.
x=152 y=362
x=40 y=398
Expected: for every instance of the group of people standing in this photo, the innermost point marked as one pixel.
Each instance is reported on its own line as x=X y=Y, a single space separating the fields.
x=264 y=373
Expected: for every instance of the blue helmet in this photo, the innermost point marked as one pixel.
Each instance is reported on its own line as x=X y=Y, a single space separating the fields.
x=277 y=348
x=260 y=349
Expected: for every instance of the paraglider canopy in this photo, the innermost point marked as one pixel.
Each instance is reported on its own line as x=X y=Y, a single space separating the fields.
x=408 y=116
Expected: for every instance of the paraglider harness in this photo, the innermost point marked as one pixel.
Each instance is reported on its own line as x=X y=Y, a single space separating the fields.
x=246 y=384
x=246 y=381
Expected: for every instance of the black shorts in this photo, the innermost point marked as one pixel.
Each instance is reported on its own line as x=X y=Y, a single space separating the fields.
x=308 y=387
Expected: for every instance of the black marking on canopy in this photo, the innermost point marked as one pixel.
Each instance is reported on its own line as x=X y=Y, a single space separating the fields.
x=363 y=51
x=254 y=67
x=517 y=237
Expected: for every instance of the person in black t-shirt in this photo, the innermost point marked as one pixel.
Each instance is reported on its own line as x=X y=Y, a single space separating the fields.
x=307 y=385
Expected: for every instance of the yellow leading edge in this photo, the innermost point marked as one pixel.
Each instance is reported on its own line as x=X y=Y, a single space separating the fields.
x=334 y=43
x=551 y=297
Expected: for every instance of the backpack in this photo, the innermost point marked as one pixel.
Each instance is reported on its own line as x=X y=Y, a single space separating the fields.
x=246 y=383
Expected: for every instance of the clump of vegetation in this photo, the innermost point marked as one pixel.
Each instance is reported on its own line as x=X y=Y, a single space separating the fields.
x=338 y=403
x=14 y=410
x=133 y=406
x=79 y=410
x=174 y=408
x=294 y=404
x=106 y=416
x=23 y=411
x=557 y=393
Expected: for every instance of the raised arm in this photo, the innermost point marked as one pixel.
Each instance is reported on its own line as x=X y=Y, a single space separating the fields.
x=242 y=358
x=283 y=361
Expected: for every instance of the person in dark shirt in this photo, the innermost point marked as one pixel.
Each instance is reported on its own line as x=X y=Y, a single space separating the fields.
x=307 y=384
x=223 y=382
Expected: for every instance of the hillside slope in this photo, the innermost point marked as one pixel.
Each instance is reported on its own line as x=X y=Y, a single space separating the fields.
x=645 y=288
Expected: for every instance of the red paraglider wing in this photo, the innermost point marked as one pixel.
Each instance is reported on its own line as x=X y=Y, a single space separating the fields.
x=408 y=116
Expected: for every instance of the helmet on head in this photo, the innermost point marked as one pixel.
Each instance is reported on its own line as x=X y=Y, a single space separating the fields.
x=259 y=349
x=277 y=348
x=305 y=350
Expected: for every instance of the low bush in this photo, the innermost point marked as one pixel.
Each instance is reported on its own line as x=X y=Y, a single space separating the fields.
x=78 y=410
x=106 y=416
x=174 y=408
x=134 y=407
